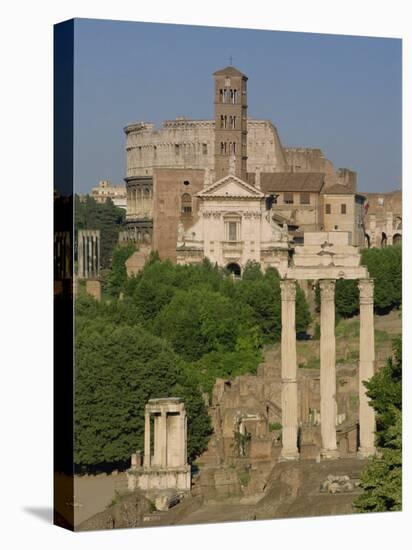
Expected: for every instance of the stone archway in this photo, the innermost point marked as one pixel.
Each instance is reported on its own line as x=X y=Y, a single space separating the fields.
x=384 y=240
x=234 y=269
x=397 y=239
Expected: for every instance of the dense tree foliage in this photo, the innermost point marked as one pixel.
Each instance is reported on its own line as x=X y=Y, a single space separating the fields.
x=381 y=481
x=115 y=280
x=108 y=218
x=385 y=267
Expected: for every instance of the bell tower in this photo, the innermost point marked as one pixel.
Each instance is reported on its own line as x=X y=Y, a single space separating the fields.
x=230 y=123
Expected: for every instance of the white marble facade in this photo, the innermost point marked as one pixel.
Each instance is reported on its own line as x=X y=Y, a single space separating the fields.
x=234 y=227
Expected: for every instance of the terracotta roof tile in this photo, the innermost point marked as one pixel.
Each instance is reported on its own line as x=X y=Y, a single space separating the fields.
x=291 y=181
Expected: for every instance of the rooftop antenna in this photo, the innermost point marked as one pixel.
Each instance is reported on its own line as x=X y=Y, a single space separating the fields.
x=231 y=61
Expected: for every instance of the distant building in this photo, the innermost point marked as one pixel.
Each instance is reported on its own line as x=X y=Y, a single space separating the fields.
x=343 y=210
x=383 y=219
x=106 y=191
x=171 y=169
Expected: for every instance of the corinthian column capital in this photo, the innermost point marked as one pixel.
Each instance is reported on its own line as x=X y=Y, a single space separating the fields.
x=366 y=287
x=327 y=289
x=288 y=289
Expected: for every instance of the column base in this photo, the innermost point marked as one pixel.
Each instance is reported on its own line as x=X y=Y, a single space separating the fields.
x=288 y=455
x=366 y=452
x=329 y=454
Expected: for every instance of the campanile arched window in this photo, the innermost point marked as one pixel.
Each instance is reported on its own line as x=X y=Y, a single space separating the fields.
x=186 y=203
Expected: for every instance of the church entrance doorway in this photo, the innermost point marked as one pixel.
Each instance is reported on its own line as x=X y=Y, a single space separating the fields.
x=234 y=269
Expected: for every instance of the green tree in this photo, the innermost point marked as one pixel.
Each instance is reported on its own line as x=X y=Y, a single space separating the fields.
x=381 y=480
x=198 y=321
x=116 y=279
x=385 y=267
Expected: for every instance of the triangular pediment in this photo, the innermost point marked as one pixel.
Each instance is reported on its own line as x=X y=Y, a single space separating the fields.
x=231 y=187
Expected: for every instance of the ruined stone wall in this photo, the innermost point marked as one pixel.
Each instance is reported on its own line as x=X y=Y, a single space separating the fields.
x=179 y=143
x=169 y=186
x=383 y=219
x=183 y=143
x=305 y=159
x=348 y=178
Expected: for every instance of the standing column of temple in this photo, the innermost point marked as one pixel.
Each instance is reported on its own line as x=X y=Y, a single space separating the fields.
x=80 y=255
x=92 y=262
x=183 y=440
x=289 y=373
x=89 y=257
x=147 y=450
x=98 y=254
x=328 y=408
x=162 y=426
x=366 y=368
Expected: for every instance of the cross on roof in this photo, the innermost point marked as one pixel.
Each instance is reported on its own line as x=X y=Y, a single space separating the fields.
x=231 y=61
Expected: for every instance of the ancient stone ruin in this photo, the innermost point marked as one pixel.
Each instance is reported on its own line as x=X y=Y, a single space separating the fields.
x=88 y=257
x=165 y=474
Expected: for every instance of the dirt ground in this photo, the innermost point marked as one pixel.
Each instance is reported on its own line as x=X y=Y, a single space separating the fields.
x=94 y=493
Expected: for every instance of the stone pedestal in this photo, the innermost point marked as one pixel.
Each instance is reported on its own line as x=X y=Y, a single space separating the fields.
x=328 y=408
x=289 y=373
x=366 y=368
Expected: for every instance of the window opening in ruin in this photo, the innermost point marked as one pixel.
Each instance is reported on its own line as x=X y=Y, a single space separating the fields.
x=186 y=203
x=154 y=151
x=288 y=198
x=327 y=209
x=177 y=149
x=186 y=182
x=343 y=208
x=304 y=198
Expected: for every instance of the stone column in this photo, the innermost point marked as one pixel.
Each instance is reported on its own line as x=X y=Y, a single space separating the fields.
x=183 y=441
x=289 y=373
x=80 y=255
x=147 y=450
x=328 y=408
x=162 y=426
x=366 y=368
x=98 y=254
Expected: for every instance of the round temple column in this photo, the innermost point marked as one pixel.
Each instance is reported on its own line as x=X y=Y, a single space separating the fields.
x=366 y=368
x=328 y=408
x=147 y=450
x=289 y=373
x=162 y=426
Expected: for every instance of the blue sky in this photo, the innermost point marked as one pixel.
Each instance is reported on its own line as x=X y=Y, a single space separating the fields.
x=339 y=93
